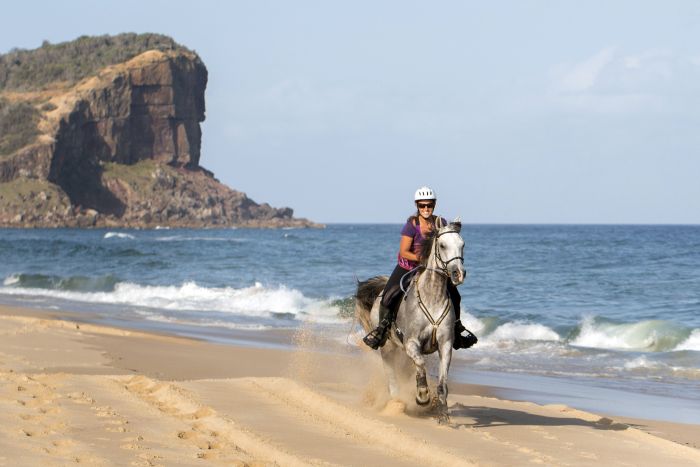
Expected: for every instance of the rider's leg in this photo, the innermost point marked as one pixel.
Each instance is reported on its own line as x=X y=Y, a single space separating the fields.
x=377 y=336
x=392 y=292
x=460 y=341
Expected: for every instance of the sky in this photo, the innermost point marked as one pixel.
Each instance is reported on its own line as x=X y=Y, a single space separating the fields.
x=512 y=111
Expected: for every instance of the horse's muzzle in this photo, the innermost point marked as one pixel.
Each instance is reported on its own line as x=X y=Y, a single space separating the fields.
x=457 y=275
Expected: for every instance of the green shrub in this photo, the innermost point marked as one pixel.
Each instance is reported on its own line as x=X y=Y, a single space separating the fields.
x=48 y=107
x=18 y=126
x=28 y=70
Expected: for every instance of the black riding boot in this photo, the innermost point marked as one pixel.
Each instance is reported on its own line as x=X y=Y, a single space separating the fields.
x=377 y=337
x=463 y=342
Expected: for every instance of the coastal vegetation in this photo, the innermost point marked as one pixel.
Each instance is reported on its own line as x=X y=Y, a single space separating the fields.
x=25 y=73
x=69 y=62
x=18 y=125
x=32 y=196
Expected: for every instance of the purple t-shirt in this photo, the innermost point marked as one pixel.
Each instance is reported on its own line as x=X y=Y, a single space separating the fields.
x=412 y=230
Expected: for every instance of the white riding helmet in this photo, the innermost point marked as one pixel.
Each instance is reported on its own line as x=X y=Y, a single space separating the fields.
x=424 y=193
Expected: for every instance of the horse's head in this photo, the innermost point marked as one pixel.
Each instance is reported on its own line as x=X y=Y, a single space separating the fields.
x=448 y=251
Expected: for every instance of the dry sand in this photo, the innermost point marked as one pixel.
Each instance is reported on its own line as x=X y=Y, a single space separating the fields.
x=80 y=393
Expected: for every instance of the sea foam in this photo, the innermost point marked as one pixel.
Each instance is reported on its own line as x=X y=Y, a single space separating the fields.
x=11 y=280
x=521 y=331
x=648 y=335
x=119 y=235
x=253 y=301
x=691 y=343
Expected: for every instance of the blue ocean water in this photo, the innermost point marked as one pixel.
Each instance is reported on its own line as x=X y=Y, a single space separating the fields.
x=606 y=308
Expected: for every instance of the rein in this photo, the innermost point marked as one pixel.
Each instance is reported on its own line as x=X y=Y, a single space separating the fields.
x=443 y=271
x=426 y=312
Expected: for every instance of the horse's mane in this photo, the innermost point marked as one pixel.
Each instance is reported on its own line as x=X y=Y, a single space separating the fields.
x=427 y=247
x=429 y=240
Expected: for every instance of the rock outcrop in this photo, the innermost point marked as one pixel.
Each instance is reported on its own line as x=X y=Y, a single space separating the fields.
x=122 y=148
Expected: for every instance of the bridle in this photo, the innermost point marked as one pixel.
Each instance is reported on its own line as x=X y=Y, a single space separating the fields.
x=438 y=259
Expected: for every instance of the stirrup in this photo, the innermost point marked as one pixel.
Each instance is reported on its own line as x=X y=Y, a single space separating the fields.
x=377 y=336
x=463 y=342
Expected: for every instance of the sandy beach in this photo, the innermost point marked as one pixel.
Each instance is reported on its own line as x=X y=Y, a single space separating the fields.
x=72 y=392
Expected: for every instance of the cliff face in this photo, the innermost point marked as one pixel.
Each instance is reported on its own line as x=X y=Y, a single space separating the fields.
x=122 y=148
x=148 y=109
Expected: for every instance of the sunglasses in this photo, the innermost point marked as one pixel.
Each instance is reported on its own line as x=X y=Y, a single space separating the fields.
x=426 y=205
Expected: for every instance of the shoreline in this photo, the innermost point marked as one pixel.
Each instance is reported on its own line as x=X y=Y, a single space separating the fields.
x=74 y=390
x=611 y=398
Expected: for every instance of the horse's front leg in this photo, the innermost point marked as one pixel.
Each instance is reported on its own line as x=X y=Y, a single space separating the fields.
x=422 y=391
x=445 y=351
x=389 y=362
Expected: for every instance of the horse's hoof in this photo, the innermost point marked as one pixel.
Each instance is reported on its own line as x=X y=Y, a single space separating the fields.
x=422 y=395
x=422 y=403
x=423 y=399
x=443 y=419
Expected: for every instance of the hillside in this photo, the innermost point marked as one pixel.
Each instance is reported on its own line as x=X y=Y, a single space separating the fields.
x=105 y=131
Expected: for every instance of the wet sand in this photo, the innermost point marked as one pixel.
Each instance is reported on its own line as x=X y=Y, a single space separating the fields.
x=81 y=393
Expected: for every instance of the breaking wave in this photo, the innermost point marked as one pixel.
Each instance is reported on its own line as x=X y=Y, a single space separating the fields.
x=592 y=332
x=285 y=303
x=36 y=283
x=518 y=331
x=691 y=343
x=648 y=335
x=119 y=235
x=255 y=301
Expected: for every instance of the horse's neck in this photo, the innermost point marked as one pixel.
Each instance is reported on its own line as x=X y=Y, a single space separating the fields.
x=431 y=283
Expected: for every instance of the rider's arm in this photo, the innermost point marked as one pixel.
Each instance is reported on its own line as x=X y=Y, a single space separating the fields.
x=405 y=248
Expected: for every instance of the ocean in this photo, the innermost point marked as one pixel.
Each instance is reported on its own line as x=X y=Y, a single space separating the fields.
x=599 y=317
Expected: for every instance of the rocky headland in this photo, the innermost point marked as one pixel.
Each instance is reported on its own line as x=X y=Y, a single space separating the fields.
x=105 y=132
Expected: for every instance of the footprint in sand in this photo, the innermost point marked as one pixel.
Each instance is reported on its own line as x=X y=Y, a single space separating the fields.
x=147 y=460
x=104 y=411
x=60 y=447
x=132 y=446
x=63 y=443
x=206 y=441
x=134 y=443
x=133 y=439
x=49 y=410
x=117 y=429
x=203 y=413
x=80 y=398
x=186 y=434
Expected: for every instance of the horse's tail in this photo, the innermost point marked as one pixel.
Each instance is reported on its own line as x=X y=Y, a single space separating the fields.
x=367 y=293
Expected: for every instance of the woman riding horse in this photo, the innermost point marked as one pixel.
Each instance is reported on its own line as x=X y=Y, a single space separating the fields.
x=417 y=227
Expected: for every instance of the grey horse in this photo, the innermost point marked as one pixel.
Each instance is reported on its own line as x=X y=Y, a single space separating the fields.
x=425 y=318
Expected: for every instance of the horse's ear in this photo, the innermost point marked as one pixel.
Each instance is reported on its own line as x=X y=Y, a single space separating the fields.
x=438 y=222
x=457 y=223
